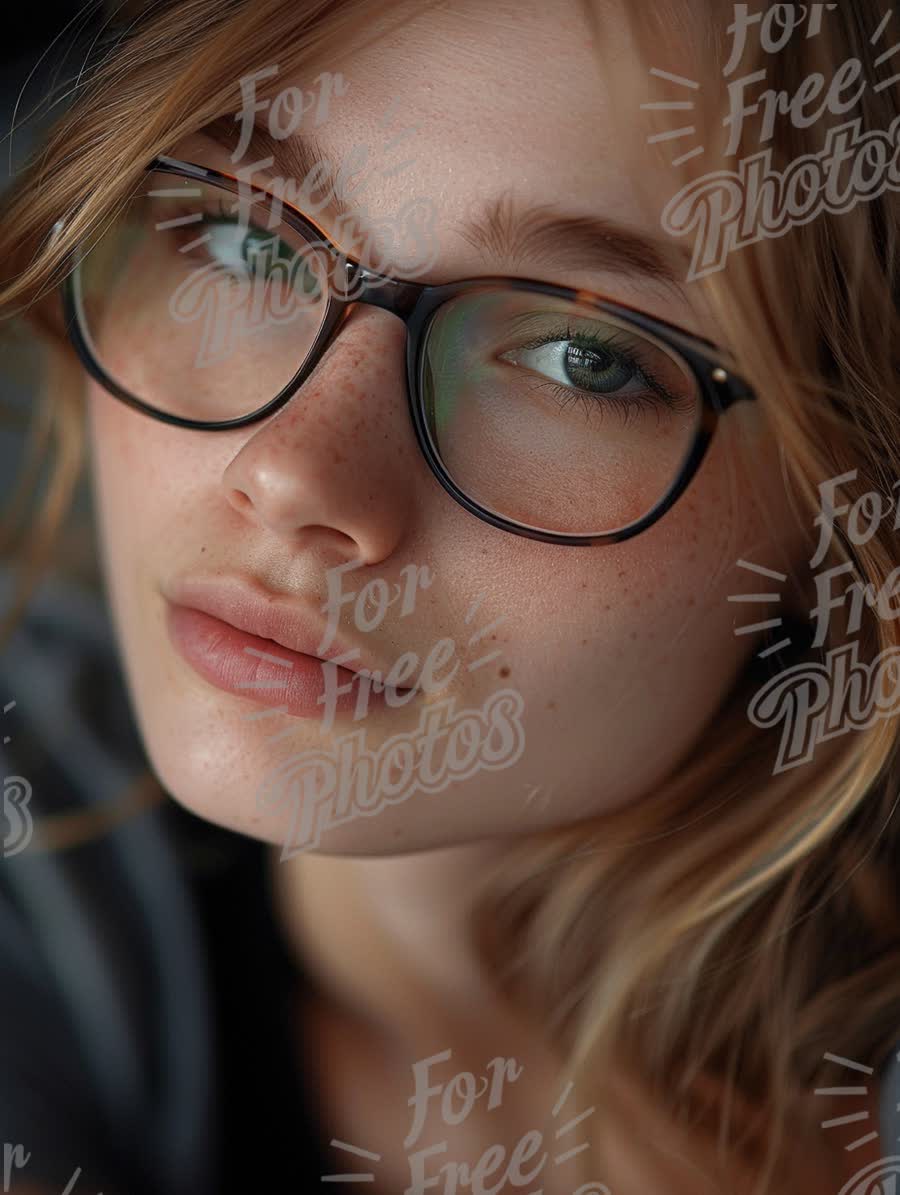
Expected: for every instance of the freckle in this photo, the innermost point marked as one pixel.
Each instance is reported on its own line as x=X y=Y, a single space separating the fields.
x=584 y=584
x=551 y=705
x=633 y=635
x=691 y=601
x=584 y=642
x=504 y=671
x=621 y=575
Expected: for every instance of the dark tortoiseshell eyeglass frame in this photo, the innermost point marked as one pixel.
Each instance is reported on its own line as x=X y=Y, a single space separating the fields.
x=416 y=304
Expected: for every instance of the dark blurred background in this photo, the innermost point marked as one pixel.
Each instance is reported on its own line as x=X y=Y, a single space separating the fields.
x=70 y=729
x=42 y=49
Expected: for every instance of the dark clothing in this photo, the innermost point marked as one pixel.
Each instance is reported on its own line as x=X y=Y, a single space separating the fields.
x=148 y=1002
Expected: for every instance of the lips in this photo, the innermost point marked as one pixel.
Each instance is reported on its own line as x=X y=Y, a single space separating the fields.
x=246 y=640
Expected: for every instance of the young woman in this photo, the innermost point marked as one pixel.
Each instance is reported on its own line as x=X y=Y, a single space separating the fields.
x=464 y=435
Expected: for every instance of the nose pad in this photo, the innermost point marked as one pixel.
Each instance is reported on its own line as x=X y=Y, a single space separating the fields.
x=397 y=298
x=346 y=310
x=343 y=313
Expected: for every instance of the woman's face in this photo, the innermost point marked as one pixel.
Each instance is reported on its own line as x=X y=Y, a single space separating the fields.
x=601 y=665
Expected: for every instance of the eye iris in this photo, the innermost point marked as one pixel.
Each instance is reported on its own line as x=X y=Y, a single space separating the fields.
x=262 y=252
x=596 y=368
x=259 y=252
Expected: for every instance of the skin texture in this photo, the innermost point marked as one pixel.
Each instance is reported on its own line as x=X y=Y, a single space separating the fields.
x=621 y=653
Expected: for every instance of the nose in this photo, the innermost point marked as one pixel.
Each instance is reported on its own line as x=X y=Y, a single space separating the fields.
x=339 y=462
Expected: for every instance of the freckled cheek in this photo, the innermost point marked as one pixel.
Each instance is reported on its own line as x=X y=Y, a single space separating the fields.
x=659 y=597
x=671 y=588
x=112 y=427
x=135 y=464
x=680 y=573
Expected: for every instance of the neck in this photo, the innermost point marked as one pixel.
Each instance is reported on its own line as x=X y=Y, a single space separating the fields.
x=388 y=938
x=386 y=942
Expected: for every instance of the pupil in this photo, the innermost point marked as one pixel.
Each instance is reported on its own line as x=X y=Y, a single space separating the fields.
x=585 y=366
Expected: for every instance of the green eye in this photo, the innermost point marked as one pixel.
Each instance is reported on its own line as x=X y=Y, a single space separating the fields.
x=244 y=250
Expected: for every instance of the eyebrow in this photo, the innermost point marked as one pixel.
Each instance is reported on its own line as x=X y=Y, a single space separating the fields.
x=503 y=227
x=542 y=234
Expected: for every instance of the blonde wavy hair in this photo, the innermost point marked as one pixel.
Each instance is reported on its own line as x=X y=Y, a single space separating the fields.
x=703 y=946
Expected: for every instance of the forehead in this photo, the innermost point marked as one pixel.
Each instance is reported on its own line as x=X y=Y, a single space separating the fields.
x=488 y=96
x=462 y=105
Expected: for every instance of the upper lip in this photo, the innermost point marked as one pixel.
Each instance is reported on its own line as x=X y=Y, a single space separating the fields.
x=250 y=607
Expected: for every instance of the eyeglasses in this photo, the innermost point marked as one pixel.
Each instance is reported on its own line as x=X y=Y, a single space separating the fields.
x=547 y=411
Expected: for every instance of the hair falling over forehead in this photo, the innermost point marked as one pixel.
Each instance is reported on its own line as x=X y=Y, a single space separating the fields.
x=682 y=947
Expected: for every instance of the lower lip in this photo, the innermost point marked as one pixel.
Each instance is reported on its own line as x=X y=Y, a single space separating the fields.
x=259 y=669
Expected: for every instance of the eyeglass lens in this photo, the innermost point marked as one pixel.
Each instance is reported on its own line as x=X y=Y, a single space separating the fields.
x=542 y=410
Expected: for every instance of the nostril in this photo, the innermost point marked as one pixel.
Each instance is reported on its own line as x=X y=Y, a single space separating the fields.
x=240 y=499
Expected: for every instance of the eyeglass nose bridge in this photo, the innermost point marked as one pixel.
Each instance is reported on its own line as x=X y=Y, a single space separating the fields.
x=395 y=295
x=361 y=285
